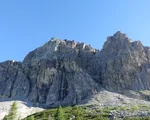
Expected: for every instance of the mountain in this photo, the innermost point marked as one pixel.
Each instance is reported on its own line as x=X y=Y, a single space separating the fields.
x=65 y=72
x=124 y=64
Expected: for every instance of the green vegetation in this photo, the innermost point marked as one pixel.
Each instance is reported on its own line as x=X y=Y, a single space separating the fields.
x=43 y=115
x=12 y=115
x=5 y=117
x=76 y=113
x=144 y=107
x=107 y=109
x=135 y=107
x=137 y=118
x=31 y=118
x=145 y=92
x=59 y=114
x=100 y=117
x=85 y=113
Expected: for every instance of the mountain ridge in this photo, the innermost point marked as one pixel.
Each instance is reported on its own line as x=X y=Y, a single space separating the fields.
x=63 y=72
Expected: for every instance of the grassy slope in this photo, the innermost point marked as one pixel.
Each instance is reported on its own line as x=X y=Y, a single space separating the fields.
x=81 y=113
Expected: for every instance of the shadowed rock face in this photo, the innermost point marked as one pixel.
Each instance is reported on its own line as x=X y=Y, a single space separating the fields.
x=53 y=74
x=65 y=72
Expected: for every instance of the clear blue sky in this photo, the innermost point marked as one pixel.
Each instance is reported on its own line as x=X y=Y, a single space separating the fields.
x=27 y=24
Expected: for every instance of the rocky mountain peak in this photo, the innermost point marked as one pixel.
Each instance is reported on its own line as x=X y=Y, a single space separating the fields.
x=58 y=49
x=70 y=44
x=119 y=36
x=120 y=42
x=119 y=56
x=65 y=72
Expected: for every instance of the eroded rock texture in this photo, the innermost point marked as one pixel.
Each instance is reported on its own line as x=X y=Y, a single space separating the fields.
x=65 y=72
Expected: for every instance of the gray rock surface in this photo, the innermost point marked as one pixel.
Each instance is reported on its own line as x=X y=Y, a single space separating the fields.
x=51 y=75
x=25 y=108
x=65 y=72
x=124 y=64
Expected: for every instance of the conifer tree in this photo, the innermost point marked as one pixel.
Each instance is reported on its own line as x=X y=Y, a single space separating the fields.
x=12 y=112
x=5 y=117
x=78 y=114
x=60 y=114
x=31 y=118
x=44 y=115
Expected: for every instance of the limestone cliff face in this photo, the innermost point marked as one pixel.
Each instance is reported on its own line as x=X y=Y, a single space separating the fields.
x=13 y=80
x=122 y=61
x=65 y=72
x=51 y=75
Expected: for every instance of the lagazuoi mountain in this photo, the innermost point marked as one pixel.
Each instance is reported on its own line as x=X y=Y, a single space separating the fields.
x=65 y=72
